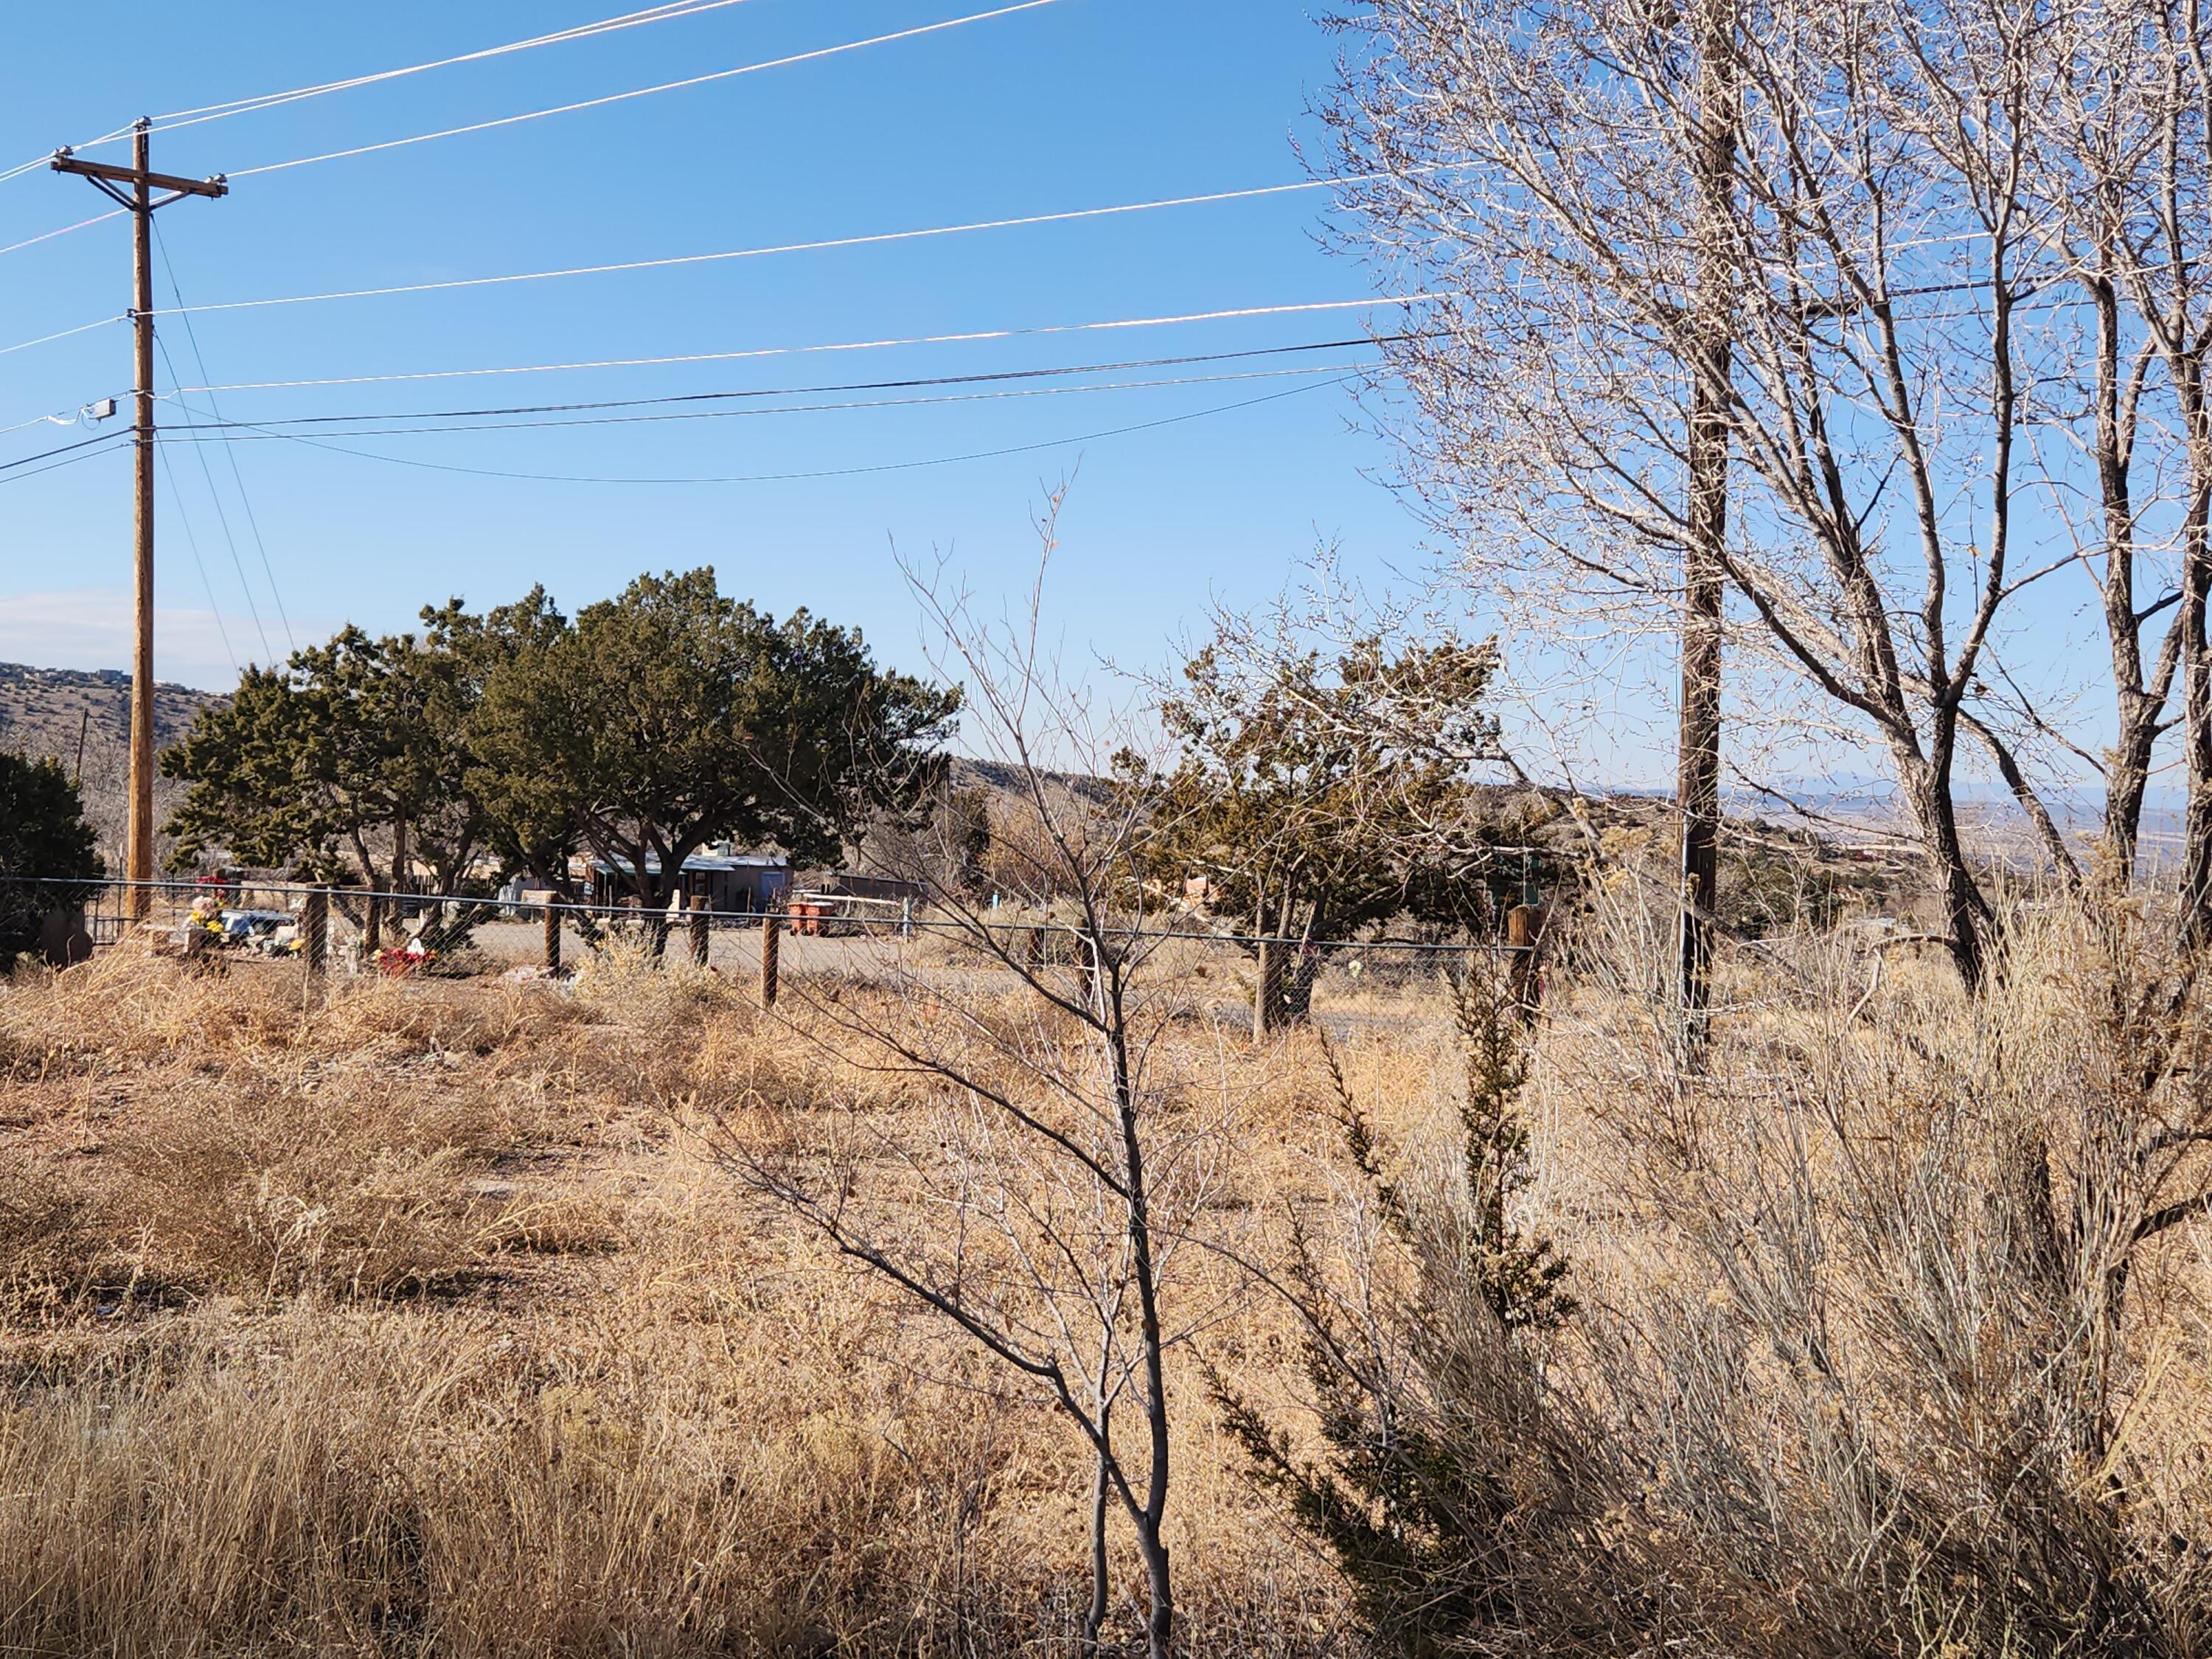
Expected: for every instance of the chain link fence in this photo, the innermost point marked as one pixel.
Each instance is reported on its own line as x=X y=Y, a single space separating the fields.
x=221 y=924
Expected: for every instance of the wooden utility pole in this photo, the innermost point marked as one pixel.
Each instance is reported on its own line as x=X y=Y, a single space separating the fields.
x=1698 y=755
x=139 y=199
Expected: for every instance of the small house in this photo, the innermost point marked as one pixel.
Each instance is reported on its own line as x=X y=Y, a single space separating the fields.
x=740 y=883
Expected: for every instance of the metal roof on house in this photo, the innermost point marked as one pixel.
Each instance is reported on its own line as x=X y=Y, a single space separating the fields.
x=704 y=862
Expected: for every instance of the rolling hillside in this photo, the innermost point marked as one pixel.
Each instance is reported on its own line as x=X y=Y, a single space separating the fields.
x=50 y=711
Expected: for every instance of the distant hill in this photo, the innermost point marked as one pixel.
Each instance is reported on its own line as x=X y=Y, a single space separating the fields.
x=50 y=711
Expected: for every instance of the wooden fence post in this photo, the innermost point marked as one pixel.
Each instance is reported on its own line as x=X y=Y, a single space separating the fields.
x=1524 y=928
x=552 y=919
x=771 y=930
x=699 y=938
x=315 y=931
x=1263 y=999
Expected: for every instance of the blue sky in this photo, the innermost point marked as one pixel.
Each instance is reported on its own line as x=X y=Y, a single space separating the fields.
x=1075 y=104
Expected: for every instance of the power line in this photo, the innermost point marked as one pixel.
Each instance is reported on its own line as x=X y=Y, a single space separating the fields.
x=661 y=14
x=253 y=607
x=77 y=419
x=192 y=542
x=225 y=430
x=189 y=118
x=37 y=162
x=969 y=337
x=910 y=383
x=647 y=92
x=59 y=334
x=873 y=239
x=63 y=449
x=833 y=472
x=49 y=235
x=112 y=439
x=246 y=106
x=237 y=478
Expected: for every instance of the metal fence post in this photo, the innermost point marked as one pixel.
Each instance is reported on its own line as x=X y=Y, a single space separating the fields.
x=315 y=931
x=699 y=929
x=1263 y=999
x=771 y=933
x=552 y=920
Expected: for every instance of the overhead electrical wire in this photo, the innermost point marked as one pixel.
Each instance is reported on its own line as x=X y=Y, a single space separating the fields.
x=191 y=541
x=246 y=106
x=271 y=427
x=49 y=235
x=229 y=431
x=673 y=12
x=871 y=239
x=908 y=383
x=831 y=472
x=237 y=478
x=44 y=420
x=64 y=449
x=38 y=162
x=646 y=92
x=238 y=564
x=967 y=336
x=115 y=440
x=58 y=334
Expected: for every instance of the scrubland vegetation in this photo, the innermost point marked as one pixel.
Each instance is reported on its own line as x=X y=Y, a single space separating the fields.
x=436 y=1317
x=423 y=1321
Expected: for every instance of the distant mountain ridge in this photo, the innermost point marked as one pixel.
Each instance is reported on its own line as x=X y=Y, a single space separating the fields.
x=43 y=710
x=68 y=713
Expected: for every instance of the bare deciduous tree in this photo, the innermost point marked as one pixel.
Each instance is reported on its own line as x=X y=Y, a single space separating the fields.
x=1897 y=245
x=1068 y=1167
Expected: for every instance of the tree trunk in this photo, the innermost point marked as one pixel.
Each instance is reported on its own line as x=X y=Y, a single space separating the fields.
x=2138 y=706
x=1159 y=1624
x=1159 y=1629
x=1698 y=756
x=2196 y=665
x=1966 y=915
x=1094 y=1621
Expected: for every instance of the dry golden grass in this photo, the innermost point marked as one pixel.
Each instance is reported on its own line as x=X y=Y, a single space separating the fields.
x=422 y=1319
x=413 y=1320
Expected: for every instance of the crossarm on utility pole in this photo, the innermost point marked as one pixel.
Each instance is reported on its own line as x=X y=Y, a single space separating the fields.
x=98 y=171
